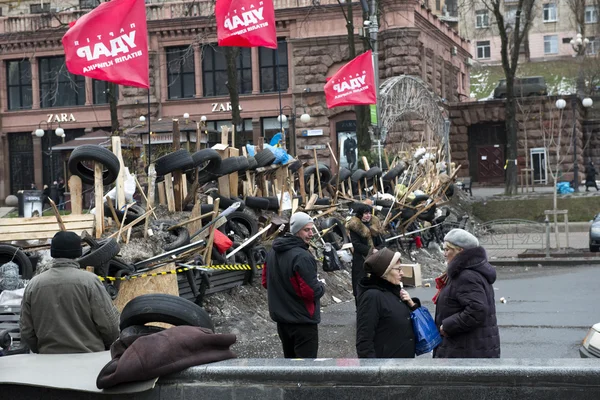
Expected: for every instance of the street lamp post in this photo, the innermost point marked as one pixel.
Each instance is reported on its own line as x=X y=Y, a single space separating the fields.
x=579 y=45
x=60 y=132
x=282 y=119
x=149 y=154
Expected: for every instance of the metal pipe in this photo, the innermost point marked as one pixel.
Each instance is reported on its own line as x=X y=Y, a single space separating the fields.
x=575 y=163
x=373 y=30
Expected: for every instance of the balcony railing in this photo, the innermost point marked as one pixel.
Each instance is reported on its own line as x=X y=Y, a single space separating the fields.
x=155 y=10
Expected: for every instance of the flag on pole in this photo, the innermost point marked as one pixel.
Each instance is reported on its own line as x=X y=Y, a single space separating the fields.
x=353 y=84
x=110 y=43
x=246 y=23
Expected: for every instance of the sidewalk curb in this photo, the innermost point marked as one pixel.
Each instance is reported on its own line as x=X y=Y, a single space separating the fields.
x=551 y=261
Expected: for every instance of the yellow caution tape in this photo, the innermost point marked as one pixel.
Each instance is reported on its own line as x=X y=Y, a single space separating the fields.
x=230 y=267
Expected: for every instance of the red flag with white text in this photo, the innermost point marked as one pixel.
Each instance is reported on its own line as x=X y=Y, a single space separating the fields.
x=110 y=43
x=353 y=84
x=246 y=23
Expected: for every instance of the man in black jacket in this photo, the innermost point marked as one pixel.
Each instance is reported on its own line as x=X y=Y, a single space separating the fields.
x=293 y=290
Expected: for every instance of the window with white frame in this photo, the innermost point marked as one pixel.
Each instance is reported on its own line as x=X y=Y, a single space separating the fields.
x=483 y=49
x=591 y=14
x=551 y=44
x=510 y=15
x=482 y=20
x=593 y=46
x=550 y=12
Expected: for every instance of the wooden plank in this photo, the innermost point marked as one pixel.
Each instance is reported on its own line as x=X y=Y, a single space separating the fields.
x=133 y=288
x=76 y=192
x=169 y=193
x=184 y=186
x=300 y=173
x=41 y=235
x=233 y=177
x=120 y=183
x=151 y=196
x=211 y=237
x=177 y=175
x=47 y=227
x=162 y=196
x=45 y=220
x=99 y=199
x=317 y=172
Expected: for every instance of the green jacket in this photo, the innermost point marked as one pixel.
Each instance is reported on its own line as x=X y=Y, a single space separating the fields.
x=67 y=310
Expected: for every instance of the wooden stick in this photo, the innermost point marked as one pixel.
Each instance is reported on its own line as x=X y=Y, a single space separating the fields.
x=124 y=218
x=99 y=196
x=113 y=212
x=301 y=182
x=76 y=195
x=333 y=156
x=169 y=192
x=137 y=183
x=317 y=172
x=61 y=224
x=211 y=237
x=311 y=184
x=184 y=223
x=249 y=240
x=151 y=196
x=132 y=223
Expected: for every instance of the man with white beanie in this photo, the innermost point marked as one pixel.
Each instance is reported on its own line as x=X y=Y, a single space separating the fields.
x=293 y=290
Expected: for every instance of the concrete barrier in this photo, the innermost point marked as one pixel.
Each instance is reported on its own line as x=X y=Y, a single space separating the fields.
x=339 y=379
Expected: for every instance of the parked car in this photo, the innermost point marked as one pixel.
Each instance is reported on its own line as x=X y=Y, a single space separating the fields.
x=590 y=348
x=524 y=87
x=595 y=234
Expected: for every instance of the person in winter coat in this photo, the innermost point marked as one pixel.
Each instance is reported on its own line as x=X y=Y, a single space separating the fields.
x=365 y=234
x=590 y=177
x=383 y=323
x=293 y=290
x=66 y=309
x=465 y=311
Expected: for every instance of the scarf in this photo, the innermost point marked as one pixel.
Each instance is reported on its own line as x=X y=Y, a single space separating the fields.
x=440 y=283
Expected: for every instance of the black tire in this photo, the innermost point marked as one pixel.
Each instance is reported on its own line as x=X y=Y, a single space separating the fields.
x=206 y=160
x=344 y=173
x=323 y=201
x=295 y=166
x=134 y=212
x=101 y=255
x=259 y=253
x=232 y=164
x=165 y=308
x=11 y=253
x=257 y=203
x=180 y=160
x=394 y=172
x=225 y=202
x=373 y=172
x=450 y=191
x=252 y=164
x=176 y=238
x=358 y=175
x=264 y=158
x=241 y=224
x=383 y=203
x=90 y=152
x=118 y=267
x=324 y=172
x=339 y=230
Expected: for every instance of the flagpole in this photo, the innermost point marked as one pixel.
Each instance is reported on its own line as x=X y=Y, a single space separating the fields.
x=149 y=157
x=279 y=117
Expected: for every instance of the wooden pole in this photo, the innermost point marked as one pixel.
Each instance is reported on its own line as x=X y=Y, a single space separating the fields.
x=211 y=237
x=75 y=191
x=99 y=196
x=61 y=224
x=301 y=182
x=169 y=192
x=317 y=172
x=120 y=183
x=177 y=175
x=151 y=196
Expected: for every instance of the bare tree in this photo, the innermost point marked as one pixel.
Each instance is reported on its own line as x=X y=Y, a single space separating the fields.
x=511 y=37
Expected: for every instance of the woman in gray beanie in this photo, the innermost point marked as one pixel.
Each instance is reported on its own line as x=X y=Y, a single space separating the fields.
x=465 y=311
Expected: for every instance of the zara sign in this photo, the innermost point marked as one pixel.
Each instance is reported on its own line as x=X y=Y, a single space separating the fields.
x=221 y=107
x=64 y=117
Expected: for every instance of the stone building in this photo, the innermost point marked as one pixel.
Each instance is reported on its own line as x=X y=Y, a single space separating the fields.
x=188 y=75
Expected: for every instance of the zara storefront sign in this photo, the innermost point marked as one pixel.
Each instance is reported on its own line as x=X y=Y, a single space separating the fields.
x=221 y=107
x=64 y=117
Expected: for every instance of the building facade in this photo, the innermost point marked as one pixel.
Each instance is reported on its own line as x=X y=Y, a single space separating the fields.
x=553 y=27
x=188 y=75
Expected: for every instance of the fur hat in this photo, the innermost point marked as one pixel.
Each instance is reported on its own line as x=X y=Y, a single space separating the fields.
x=461 y=238
x=65 y=245
x=379 y=263
x=299 y=221
x=360 y=209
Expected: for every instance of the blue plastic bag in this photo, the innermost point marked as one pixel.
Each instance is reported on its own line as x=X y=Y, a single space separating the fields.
x=427 y=336
x=281 y=156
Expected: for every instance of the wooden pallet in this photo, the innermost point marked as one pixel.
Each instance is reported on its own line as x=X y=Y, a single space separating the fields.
x=218 y=281
x=43 y=227
x=9 y=319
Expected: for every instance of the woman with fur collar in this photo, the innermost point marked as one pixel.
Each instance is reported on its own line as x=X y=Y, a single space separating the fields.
x=365 y=234
x=465 y=310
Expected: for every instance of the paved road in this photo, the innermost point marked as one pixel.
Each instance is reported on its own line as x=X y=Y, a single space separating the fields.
x=547 y=313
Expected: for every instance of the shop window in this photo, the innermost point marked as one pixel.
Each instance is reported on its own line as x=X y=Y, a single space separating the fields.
x=58 y=87
x=243 y=135
x=18 y=77
x=214 y=71
x=180 y=72
x=270 y=127
x=268 y=68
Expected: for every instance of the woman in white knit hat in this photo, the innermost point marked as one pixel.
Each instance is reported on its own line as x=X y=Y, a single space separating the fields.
x=465 y=311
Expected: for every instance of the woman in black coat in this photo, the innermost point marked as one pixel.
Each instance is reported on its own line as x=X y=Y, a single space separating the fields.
x=364 y=229
x=465 y=311
x=383 y=324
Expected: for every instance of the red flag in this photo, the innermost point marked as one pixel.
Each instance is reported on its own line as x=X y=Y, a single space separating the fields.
x=110 y=43
x=353 y=84
x=246 y=23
